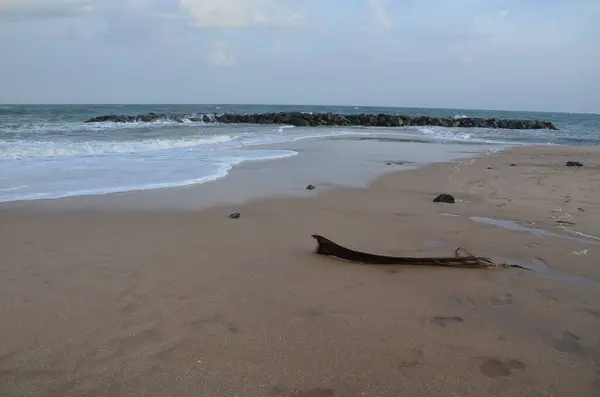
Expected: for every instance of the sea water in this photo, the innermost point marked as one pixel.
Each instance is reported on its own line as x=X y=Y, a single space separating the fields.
x=50 y=152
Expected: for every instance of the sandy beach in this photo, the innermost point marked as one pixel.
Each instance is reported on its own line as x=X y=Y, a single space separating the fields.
x=192 y=303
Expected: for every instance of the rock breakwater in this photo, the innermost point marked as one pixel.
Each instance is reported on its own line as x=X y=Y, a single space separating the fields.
x=332 y=119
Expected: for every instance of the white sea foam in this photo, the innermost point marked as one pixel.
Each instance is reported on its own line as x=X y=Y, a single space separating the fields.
x=100 y=176
x=473 y=136
x=221 y=173
x=71 y=165
x=284 y=127
x=24 y=149
x=66 y=127
x=446 y=133
x=13 y=188
x=83 y=163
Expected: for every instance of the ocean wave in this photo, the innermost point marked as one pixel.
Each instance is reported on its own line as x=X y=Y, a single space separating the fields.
x=284 y=127
x=27 y=149
x=460 y=116
x=168 y=174
x=446 y=133
x=455 y=135
x=221 y=173
x=13 y=188
x=27 y=129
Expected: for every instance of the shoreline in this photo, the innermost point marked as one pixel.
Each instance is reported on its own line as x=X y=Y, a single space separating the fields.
x=357 y=163
x=188 y=301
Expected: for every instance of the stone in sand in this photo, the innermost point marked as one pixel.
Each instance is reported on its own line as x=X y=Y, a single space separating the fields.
x=310 y=187
x=235 y=215
x=574 y=164
x=444 y=198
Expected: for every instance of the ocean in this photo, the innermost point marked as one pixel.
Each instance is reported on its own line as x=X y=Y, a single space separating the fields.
x=49 y=152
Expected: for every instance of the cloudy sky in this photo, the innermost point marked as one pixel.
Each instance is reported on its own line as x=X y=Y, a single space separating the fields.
x=494 y=54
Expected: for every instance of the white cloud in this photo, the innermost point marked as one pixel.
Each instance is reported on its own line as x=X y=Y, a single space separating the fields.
x=213 y=14
x=379 y=10
x=219 y=55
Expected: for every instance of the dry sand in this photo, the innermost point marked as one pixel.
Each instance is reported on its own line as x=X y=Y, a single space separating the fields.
x=197 y=304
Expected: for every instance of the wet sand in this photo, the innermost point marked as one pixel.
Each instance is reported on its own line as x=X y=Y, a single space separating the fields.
x=192 y=303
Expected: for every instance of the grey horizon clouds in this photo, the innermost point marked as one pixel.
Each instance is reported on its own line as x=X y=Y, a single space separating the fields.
x=498 y=54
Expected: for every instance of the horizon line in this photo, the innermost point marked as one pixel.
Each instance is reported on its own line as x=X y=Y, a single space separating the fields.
x=298 y=105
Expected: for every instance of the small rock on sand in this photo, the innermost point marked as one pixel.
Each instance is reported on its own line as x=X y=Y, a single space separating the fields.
x=444 y=198
x=574 y=164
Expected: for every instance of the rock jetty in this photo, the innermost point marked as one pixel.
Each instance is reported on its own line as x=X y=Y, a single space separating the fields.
x=331 y=119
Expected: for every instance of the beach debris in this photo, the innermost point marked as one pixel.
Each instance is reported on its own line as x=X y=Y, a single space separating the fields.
x=462 y=258
x=235 y=215
x=310 y=187
x=513 y=165
x=565 y=223
x=489 y=168
x=444 y=198
x=574 y=164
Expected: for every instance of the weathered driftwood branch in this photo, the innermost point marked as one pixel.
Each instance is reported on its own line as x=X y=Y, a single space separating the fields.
x=461 y=258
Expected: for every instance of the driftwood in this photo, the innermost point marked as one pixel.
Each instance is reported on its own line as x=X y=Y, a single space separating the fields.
x=462 y=258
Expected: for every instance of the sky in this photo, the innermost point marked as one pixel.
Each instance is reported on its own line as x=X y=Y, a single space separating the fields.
x=469 y=54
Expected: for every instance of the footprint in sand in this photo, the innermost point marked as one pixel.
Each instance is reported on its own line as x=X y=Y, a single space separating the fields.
x=464 y=302
x=133 y=342
x=547 y=293
x=446 y=321
x=316 y=392
x=593 y=313
x=494 y=368
x=277 y=390
x=502 y=301
x=410 y=359
x=567 y=343
x=596 y=385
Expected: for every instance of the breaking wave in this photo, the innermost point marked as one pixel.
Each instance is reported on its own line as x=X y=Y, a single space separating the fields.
x=27 y=149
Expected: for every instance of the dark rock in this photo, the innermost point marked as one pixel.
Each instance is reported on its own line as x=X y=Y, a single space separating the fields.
x=513 y=165
x=298 y=122
x=574 y=164
x=489 y=168
x=444 y=198
x=310 y=187
x=322 y=119
x=235 y=215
